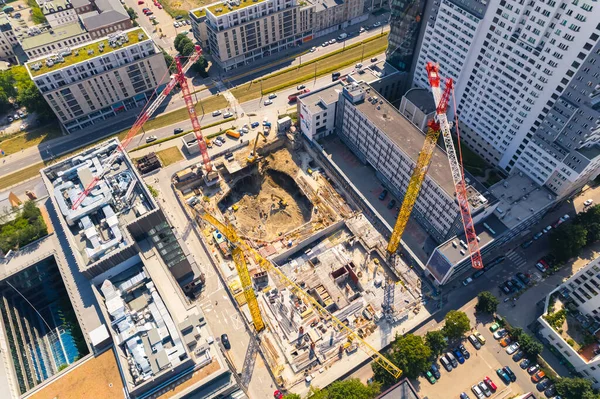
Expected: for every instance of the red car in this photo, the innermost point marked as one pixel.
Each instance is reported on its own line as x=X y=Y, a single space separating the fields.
x=145 y=10
x=490 y=383
x=159 y=7
x=140 y=2
x=278 y=394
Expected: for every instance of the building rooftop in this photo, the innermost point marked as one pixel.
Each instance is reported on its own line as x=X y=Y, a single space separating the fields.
x=422 y=99
x=199 y=12
x=87 y=51
x=402 y=390
x=52 y=6
x=52 y=35
x=326 y=4
x=107 y=12
x=487 y=231
x=227 y=6
x=97 y=227
x=519 y=198
x=403 y=134
x=142 y=326
x=590 y=152
x=316 y=100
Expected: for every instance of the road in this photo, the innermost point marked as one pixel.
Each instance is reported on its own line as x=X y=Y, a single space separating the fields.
x=163 y=32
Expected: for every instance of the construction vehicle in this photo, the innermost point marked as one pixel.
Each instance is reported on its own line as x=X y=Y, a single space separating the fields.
x=266 y=128
x=233 y=134
x=241 y=247
x=252 y=157
x=149 y=110
x=282 y=203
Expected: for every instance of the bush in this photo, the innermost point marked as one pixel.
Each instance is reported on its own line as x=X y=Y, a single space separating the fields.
x=570 y=342
x=27 y=227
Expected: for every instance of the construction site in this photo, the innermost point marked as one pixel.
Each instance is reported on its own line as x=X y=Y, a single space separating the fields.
x=320 y=279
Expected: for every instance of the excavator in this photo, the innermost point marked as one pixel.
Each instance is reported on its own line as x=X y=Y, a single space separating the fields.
x=282 y=203
x=252 y=157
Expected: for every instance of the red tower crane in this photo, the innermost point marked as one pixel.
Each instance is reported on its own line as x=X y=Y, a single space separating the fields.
x=147 y=112
x=441 y=102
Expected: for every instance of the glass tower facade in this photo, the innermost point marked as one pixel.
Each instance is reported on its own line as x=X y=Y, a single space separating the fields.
x=405 y=23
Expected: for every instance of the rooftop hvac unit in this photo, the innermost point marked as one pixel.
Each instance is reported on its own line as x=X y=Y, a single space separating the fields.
x=49 y=62
x=90 y=51
x=140 y=36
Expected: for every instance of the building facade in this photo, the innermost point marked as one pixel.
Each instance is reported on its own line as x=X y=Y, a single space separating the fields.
x=579 y=296
x=118 y=74
x=333 y=15
x=58 y=12
x=8 y=40
x=405 y=23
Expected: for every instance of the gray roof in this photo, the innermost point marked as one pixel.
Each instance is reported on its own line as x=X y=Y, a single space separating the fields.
x=108 y=12
x=422 y=99
x=402 y=390
x=315 y=100
x=80 y=3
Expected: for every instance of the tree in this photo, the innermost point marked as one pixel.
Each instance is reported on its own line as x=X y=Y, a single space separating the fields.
x=516 y=333
x=567 y=240
x=436 y=342
x=410 y=353
x=200 y=67
x=132 y=14
x=574 y=388
x=170 y=62
x=457 y=324
x=487 y=302
x=188 y=49
x=180 y=41
x=346 y=389
x=531 y=346
x=292 y=396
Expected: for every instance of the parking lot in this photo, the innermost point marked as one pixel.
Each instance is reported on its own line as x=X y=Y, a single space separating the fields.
x=482 y=363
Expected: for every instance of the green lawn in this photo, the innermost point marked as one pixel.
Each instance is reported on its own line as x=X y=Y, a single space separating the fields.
x=19 y=141
x=169 y=156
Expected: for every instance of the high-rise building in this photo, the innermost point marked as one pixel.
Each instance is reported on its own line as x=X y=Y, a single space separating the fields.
x=512 y=61
x=405 y=22
x=88 y=84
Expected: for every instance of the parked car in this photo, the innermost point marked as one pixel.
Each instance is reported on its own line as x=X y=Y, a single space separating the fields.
x=391 y=204
x=268 y=102
x=518 y=356
x=526 y=244
x=538 y=235
x=227 y=115
x=500 y=333
x=430 y=377
x=462 y=395
x=504 y=342
x=435 y=371
x=383 y=195
x=523 y=277
x=374 y=59
x=176 y=24
x=464 y=351
x=547 y=229
x=543 y=384
x=512 y=348
x=300 y=87
x=510 y=373
x=525 y=363
x=313 y=49
x=478 y=274
x=474 y=341
x=458 y=355
x=272 y=96
x=278 y=394
x=216 y=113
x=504 y=288
x=451 y=359
x=254 y=125
x=150 y=139
x=10 y=119
x=503 y=376
x=467 y=281
x=494 y=327
x=177 y=130
x=588 y=202
x=490 y=383
x=479 y=337
x=225 y=341
x=533 y=369
x=485 y=389
x=550 y=391
x=376 y=24
x=537 y=377
x=447 y=365
x=478 y=392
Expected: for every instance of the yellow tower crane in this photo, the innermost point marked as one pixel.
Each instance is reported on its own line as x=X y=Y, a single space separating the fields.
x=414 y=185
x=241 y=246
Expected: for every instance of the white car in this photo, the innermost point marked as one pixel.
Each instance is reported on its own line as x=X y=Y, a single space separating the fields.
x=477 y=392
x=227 y=115
x=151 y=139
x=218 y=143
x=268 y=102
x=361 y=30
x=313 y=49
x=216 y=113
x=272 y=96
x=358 y=66
x=176 y=24
x=325 y=44
x=588 y=202
x=376 y=24
x=547 y=229
x=512 y=348
x=332 y=41
x=501 y=333
x=152 y=17
x=564 y=218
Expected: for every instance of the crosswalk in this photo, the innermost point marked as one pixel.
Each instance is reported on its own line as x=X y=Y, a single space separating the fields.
x=516 y=258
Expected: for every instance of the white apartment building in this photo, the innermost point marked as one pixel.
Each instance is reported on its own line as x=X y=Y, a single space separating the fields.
x=58 y=12
x=579 y=295
x=512 y=60
x=8 y=40
x=89 y=84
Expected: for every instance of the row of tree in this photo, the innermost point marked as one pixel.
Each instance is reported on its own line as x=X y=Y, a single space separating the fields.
x=346 y=389
x=186 y=48
x=568 y=239
x=16 y=85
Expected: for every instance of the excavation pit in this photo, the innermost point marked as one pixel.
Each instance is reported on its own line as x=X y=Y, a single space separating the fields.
x=267 y=204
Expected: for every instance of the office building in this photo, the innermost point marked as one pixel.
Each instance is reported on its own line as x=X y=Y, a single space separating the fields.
x=90 y=84
x=8 y=40
x=564 y=154
x=418 y=107
x=118 y=220
x=405 y=23
x=578 y=296
x=379 y=135
x=239 y=32
x=512 y=62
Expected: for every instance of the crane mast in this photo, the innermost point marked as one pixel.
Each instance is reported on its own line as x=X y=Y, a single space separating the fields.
x=441 y=102
x=146 y=114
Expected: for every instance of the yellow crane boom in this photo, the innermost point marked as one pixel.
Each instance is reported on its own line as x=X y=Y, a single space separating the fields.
x=266 y=265
x=252 y=157
x=414 y=186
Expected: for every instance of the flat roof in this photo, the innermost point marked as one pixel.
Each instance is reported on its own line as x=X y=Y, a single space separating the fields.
x=519 y=198
x=422 y=99
x=80 y=53
x=405 y=136
x=52 y=35
x=219 y=9
x=590 y=152
x=52 y=6
x=402 y=390
x=328 y=94
x=99 y=374
x=199 y=12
